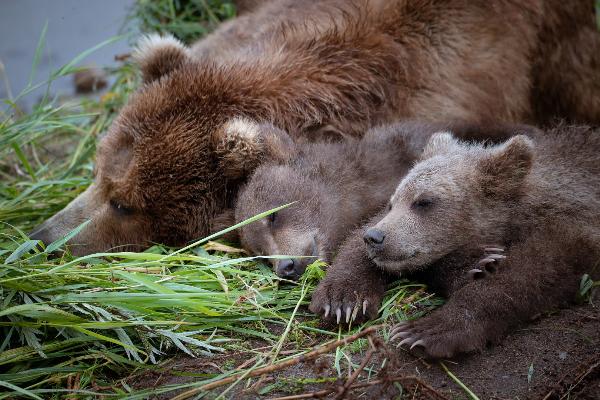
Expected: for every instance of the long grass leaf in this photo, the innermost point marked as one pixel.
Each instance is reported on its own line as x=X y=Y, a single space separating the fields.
x=20 y=390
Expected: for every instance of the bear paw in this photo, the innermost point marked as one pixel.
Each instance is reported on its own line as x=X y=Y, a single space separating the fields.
x=346 y=302
x=489 y=264
x=436 y=336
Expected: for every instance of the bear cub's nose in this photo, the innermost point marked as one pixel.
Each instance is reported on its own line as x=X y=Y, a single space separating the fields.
x=374 y=237
x=286 y=268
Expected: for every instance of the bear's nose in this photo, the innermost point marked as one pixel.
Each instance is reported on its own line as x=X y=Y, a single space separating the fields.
x=374 y=237
x=43 y=235
x=287 y=268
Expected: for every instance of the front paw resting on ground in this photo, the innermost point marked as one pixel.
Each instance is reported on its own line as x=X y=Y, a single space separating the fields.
x=489 y=263
x=347 y=301
x=439 y=335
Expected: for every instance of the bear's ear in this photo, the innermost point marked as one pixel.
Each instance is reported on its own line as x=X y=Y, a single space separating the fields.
x=439 y=143
x=242 y=144
x=507 y=165
x=158 y=55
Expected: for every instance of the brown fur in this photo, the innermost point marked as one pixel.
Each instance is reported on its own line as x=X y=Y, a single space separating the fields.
x=335 y=186
x=567 y=79
x=314 y=68
x=540 y=199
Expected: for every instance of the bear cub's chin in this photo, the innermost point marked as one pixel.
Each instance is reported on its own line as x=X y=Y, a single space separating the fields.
x=403 y=266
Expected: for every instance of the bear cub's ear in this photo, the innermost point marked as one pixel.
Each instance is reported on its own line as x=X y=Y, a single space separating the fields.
x=158 y=55
x=505 y=168
x=242 y=144
x=439 y=143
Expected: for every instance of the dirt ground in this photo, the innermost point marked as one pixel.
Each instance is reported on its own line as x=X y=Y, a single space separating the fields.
x=555 y=357
x=547 y=359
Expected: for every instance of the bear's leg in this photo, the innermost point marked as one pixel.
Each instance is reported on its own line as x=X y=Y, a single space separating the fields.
x=353 y=287
x=539 y=274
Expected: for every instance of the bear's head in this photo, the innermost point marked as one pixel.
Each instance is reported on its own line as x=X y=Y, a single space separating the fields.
x=458 y=195
x=170 y=163
x=299 y=231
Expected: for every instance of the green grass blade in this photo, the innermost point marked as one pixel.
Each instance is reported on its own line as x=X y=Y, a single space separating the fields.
x=52 y=247
x=38 y=54
x=20 y=390
x=23 y=249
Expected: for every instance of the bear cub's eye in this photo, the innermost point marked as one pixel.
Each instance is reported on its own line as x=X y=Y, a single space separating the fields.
x=120 y=208
x=422 y=204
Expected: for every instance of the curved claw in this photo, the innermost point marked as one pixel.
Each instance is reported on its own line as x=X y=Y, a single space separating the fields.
x=475 y=273
x=327 y=309
x=365 y=304
x=397 y=327
x=419 y=342
x=485 y=261
x=408 y=340
x=399 y=335
x=348 y=314
x=493 y=249
x=338 y=314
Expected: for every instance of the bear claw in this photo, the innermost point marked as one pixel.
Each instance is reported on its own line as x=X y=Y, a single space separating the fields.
x=488 y=264
x=399 y=335
x=475 y=273
x=408 y=340
x=442 y=334
x=493 y=249
x=335 y=303
x=491 y=258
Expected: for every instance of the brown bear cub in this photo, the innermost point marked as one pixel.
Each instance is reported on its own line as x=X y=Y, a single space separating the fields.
x=532 y=202
x=318 y=69
x=335 y=187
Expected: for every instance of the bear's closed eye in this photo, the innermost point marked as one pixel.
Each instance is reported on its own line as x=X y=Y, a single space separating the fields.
x=423 y=204
x=120 y=208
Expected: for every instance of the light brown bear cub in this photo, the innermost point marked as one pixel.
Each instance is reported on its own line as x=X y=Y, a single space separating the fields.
x=538 y=198
x=334 y=186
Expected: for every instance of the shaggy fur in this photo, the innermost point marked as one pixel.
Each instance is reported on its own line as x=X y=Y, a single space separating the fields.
x=316 y=69
x=335 y=186
x=536 y=197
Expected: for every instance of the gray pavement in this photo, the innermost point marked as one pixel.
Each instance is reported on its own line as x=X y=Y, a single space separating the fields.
x=73 y=26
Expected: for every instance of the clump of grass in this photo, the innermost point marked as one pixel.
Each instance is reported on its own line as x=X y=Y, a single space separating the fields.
x=186 y=19
x=105 y=316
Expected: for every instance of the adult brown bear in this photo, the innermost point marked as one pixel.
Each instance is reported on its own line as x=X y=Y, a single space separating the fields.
x=167 y=170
